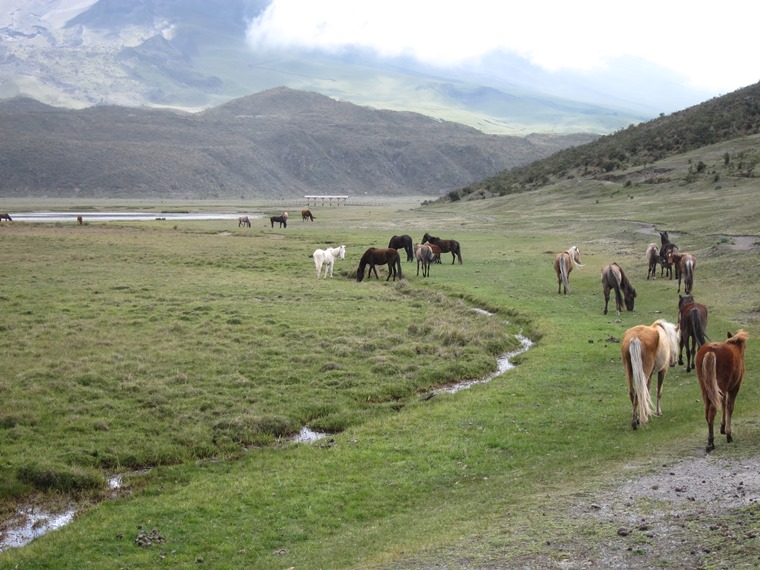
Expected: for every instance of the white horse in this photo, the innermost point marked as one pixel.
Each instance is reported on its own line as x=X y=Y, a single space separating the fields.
x=327 y=258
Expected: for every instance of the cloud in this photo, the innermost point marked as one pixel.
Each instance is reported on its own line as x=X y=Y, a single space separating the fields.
x=712 y=50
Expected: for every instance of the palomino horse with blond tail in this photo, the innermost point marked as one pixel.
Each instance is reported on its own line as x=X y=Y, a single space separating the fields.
x=720 y=369
x=563 y=265
x=646 y=350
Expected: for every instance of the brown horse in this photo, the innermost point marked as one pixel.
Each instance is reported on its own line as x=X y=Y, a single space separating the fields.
x=667 y=247
x=283 y=220
x=244 y=222
x=646 y=350
x=403 y=242
x=446 y=245
x=720 y=369
x=436 y=253
x=613 y=277
x=6 y=216
x=692 y=323
x=563 y=265
x=307 y=215
x=80 y=220
x=653 y=258
x=375 y=256
x=424 y=254
x=684 y=263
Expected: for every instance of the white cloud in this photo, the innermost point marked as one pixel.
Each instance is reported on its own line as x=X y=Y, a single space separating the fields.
x=712 y=46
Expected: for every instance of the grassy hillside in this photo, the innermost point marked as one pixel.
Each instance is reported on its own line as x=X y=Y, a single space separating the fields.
x=194 y=349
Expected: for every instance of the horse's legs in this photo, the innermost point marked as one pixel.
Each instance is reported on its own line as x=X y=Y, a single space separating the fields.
x=371 y=269
x=710 y=412
x=606 y=299
x=728 y=411
x=660 y=379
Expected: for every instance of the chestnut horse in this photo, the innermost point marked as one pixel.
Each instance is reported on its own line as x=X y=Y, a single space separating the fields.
x=375 y=256
x=446 y=245
x=646 y=350
x=436 y=253
x=653 y=258
x=720 y=369
x=685 y=263
x=613 y=277
x=307 y=215
x=692 y=323
x=403 y=242
x=424 y=254
x=244 y=222
x=563 y=265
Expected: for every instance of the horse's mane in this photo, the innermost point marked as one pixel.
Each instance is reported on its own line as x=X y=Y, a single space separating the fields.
x=670 y=330
x=740 y=338
x=624 y=283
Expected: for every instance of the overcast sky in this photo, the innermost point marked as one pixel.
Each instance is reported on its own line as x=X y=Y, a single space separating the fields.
x=712 y=46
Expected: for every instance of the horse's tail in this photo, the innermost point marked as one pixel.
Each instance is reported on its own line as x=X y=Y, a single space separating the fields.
x=709 y=380
x=459 y=253
x=698 y=326
x=639 y=382
x=563 y=272
x=688 y=275
x=398 y=266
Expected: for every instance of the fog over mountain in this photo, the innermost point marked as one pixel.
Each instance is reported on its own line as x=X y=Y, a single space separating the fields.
x=196 y=54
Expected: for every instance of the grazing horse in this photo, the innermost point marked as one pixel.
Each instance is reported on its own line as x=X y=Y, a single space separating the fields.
x=653 y=258
x=563 y=265
x=327 y=258
x=5 y=216
x=692 y=322
x=403 y=242
x=424 y=254
x=307 y=215
x=376 y=256
x=446 y=245
x=646 y=350
x=720 y=369
x=613 y=277
x=80 y=220
x=244 y=222
x=283 y=220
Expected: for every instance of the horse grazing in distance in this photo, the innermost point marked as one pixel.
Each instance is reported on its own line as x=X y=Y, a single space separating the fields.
x=720 y=369
x=80 y=220
x=653 y=258
x=446 y=245
x=692 y=323
x=403 y=242
x=327 y=258
x=376 y=256
x=6 y=216
x=307 y=215
x=283 y=220
x=563 y=265
x=613 y=277
x=244 y=222
x=646 y=350
x=424 y=254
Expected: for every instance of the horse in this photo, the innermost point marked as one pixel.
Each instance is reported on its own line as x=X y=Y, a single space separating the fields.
x=376 y=256
x=307 y=215
x=424 y=254
x=80 y=220
x=646 y=350
x=653 y=258
x=327 y=258
x=563 y=265
x=667 y=247
x=6 y=216
x=720 y=369
x=403 y=242
x=283 y=220
x=613 y=277
x=685 y=264
x=244 y=222
x=446 y=245
x=692 y=322
x=436 y=253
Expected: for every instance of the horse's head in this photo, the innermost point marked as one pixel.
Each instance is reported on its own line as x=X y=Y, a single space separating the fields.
x=630 y=298
x=685 y=300
x=342 y=252
x=575 y=255
x=426 y=238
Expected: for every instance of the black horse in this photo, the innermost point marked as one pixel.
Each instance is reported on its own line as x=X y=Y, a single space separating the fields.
x=282 y=219
x=374 y=256
x=446 y=245
x=692 y=322
x=667 y=248
x=403 y=242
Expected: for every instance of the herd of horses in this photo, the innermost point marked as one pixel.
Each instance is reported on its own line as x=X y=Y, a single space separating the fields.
x=649 y=349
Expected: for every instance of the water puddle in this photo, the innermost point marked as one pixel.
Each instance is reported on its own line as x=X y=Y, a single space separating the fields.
x=307 y=435
x=31 y=524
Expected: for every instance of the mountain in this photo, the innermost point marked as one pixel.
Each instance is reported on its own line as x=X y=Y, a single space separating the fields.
x=278 y=143
x=628 y=155
x=195 y=54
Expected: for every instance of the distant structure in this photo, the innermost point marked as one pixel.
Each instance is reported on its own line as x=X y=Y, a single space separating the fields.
x=320 y=200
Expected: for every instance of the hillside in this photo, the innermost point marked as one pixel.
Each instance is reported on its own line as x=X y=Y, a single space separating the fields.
x=628 y=155
x=279 y=143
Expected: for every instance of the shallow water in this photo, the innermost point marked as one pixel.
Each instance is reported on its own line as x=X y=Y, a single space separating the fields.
x=34 y=523
x=122 y=216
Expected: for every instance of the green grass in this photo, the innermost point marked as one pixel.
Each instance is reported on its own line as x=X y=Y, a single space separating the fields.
x=196 y=349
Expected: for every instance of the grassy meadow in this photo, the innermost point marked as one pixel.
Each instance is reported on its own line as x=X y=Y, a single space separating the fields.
x=184 y=356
